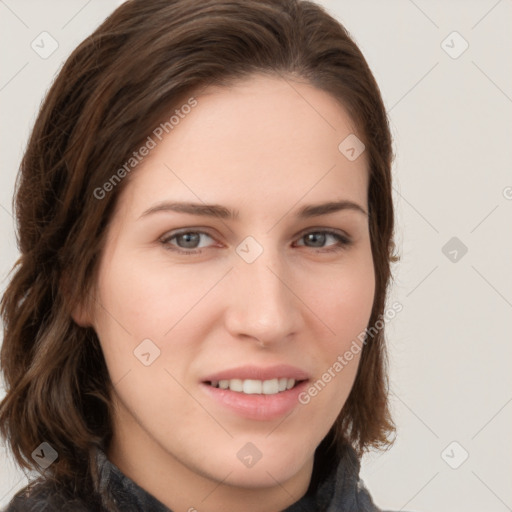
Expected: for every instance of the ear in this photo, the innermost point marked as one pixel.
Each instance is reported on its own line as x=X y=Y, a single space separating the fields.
x=81 y=312
x=81 y=316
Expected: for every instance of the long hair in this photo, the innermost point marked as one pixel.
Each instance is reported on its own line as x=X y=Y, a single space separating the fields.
x=142 y=62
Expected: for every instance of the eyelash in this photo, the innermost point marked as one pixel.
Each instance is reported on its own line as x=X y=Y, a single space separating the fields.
x=343 y=241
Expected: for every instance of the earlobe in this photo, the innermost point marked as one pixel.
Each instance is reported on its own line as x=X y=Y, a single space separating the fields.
x=80 y=313
x=81 y=316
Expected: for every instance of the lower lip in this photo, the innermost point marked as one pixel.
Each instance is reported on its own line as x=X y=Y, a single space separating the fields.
x=257 y=406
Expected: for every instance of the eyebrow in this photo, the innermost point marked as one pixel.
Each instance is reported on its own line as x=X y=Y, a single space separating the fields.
x=215 y=210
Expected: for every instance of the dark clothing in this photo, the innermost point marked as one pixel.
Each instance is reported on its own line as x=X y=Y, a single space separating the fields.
x=340 y=490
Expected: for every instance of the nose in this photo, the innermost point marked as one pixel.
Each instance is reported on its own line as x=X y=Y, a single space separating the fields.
x=262 y=305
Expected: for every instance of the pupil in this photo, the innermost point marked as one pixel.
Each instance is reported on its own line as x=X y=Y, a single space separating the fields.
x=318 y=236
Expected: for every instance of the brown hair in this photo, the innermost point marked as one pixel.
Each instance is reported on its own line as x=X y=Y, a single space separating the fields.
x=113 y=90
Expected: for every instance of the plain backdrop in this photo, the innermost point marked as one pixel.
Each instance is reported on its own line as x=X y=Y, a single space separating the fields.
x=444 y=69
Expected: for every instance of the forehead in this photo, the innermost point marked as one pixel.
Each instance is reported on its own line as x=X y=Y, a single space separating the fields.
x=263 y=142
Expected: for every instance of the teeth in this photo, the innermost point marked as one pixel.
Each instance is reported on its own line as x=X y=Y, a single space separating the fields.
x=236 y=385
x=252 y=387
x=255 y=387
x=270 y=387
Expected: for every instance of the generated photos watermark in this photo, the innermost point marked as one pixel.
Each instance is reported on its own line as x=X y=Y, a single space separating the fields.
x=343 y=360
x=152 y=140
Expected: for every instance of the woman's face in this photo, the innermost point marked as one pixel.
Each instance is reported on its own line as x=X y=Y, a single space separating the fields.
x=251 y=301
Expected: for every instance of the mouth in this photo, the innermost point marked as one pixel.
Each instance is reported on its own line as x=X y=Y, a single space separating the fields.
x=256 y=387
x=257 y=393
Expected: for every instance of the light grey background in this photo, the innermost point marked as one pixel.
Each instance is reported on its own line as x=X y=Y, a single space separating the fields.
x=450 y=347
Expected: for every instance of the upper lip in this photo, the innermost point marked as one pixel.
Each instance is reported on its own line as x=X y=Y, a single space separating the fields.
x=259 y=373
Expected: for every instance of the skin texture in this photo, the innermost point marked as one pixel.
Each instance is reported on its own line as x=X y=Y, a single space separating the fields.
x=265 y=147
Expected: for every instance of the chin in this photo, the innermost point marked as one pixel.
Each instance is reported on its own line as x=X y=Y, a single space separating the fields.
x=272 y=463
x=261 y=476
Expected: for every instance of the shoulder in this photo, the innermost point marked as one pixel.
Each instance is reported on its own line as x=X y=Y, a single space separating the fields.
x=41 y=496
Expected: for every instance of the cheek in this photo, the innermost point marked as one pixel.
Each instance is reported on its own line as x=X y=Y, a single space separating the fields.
x=353 y=306
x=136 y=302
x=148 y=300
x=165 y=304
x=346 y=309
x=345 y=301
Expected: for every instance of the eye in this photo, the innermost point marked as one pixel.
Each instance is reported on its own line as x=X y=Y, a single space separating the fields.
x=320 y=236
x=188 y=242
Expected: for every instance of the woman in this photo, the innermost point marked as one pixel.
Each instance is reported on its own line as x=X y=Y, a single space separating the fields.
x=205 y=224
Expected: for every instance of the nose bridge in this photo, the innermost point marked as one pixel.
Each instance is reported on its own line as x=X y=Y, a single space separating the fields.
x=262 y=306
